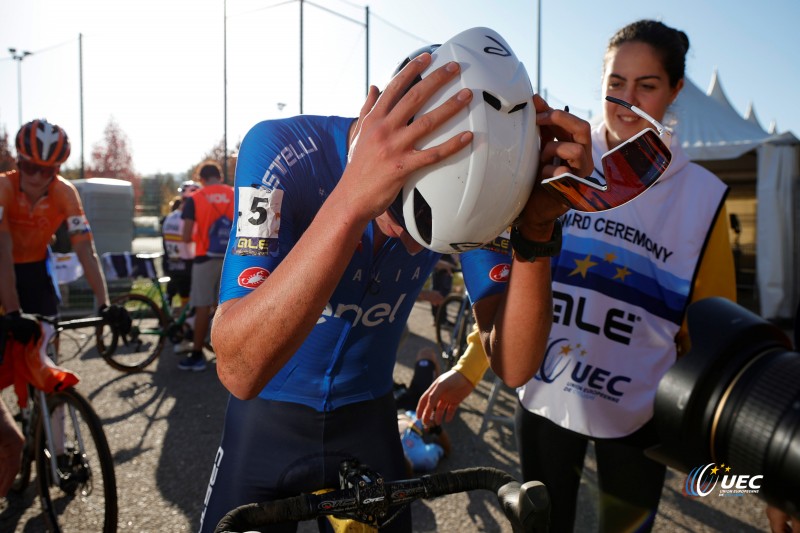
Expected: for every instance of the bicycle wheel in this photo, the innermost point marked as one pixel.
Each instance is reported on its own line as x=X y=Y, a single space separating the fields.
x=83 y=494
x=142 y=345
x=453 y=324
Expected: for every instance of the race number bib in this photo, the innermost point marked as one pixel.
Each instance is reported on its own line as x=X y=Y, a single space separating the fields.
x=258 y=222
x=173 y=250
x=259 y=213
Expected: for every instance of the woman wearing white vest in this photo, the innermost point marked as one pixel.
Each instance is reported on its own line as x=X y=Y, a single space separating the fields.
x=621 y=285
x=178 y=255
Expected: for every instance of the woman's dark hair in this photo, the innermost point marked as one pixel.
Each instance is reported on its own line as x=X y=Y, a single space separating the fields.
x=670 y=43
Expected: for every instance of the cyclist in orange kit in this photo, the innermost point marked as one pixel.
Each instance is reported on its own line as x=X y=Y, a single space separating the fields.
x=34 y=201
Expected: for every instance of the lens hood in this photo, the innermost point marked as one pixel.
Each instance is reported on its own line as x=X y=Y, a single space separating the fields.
x=725 y=338
x=734 y=400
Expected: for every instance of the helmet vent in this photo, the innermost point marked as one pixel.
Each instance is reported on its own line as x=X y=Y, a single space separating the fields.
x=518 y=107
x=492 y=100
x=423 y=217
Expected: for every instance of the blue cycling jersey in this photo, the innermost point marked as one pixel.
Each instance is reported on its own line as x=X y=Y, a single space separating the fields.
x=285 y=171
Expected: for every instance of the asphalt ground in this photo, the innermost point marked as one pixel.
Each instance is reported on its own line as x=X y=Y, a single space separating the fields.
x=163 y=427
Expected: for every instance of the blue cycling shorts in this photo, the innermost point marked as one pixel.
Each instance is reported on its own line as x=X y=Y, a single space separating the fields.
x=35 y=288
x=252 y=465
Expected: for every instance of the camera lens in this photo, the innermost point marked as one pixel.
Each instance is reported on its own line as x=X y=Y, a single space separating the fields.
x=734 y=399
x=758 y=424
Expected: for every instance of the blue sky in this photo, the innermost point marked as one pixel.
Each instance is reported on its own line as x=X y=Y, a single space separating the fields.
x=157 y=67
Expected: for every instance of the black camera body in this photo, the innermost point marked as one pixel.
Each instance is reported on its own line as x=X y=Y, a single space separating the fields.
x=734 y=399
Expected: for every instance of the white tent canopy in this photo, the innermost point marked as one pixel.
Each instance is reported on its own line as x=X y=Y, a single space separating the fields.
x=750 y=115
x=715 y=91
x=710 y=129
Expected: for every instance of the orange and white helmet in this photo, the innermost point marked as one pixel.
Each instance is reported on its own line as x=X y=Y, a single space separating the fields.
x=471 y=197
x=42 y=143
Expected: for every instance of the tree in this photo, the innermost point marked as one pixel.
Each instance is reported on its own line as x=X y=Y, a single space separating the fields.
x=7 y=161
x=112 y=158
x=163 y=189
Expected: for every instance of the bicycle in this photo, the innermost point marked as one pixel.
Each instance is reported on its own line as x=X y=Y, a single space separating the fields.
x=64 y=437
x=454 y=322
x=366 y=497
x=153 y=322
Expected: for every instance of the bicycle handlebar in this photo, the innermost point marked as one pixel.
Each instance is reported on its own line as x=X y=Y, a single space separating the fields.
x=57 y=324
x=71 y=324
x=369 y=500
x=76 y=323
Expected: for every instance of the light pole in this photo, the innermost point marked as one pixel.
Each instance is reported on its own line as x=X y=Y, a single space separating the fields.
x=539 y=47
x=225 y=92
x=366 y=26
x=18 y=57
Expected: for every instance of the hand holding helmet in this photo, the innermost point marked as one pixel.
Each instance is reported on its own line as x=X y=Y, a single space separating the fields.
x=566 y=147
x=468 y=199
x=383 y=147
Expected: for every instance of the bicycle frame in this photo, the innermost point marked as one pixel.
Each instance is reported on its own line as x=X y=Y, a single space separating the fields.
x=159 y=295
x=153 y=322
x=161 y=298
x=464 y=313
x=454 y=347
x=40 y=399
x=64 y=438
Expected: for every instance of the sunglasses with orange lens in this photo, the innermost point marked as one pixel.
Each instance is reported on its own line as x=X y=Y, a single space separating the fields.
x=628 y=170
x=32 y=168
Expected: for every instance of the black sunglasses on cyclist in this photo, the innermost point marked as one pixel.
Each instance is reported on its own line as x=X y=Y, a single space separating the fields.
x=32 y=168
x=396 y=210
x=422 y=214
x=628 y=170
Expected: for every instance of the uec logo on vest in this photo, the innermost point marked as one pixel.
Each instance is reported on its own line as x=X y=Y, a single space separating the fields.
x=702 y=480
x=558 y=361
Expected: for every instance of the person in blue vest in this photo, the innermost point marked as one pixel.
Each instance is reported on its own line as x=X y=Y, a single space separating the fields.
x=621 y=286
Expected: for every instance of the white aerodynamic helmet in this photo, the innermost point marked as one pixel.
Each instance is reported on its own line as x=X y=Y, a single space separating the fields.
x=188 y=187
x=471 y=197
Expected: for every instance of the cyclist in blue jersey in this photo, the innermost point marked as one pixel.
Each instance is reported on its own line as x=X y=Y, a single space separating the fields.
x=319 y=280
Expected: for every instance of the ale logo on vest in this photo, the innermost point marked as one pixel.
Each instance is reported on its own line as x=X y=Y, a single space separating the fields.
x=252 y=277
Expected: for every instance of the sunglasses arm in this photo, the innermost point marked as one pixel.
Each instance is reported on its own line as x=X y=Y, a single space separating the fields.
x=590 y=181
x=662 y=131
